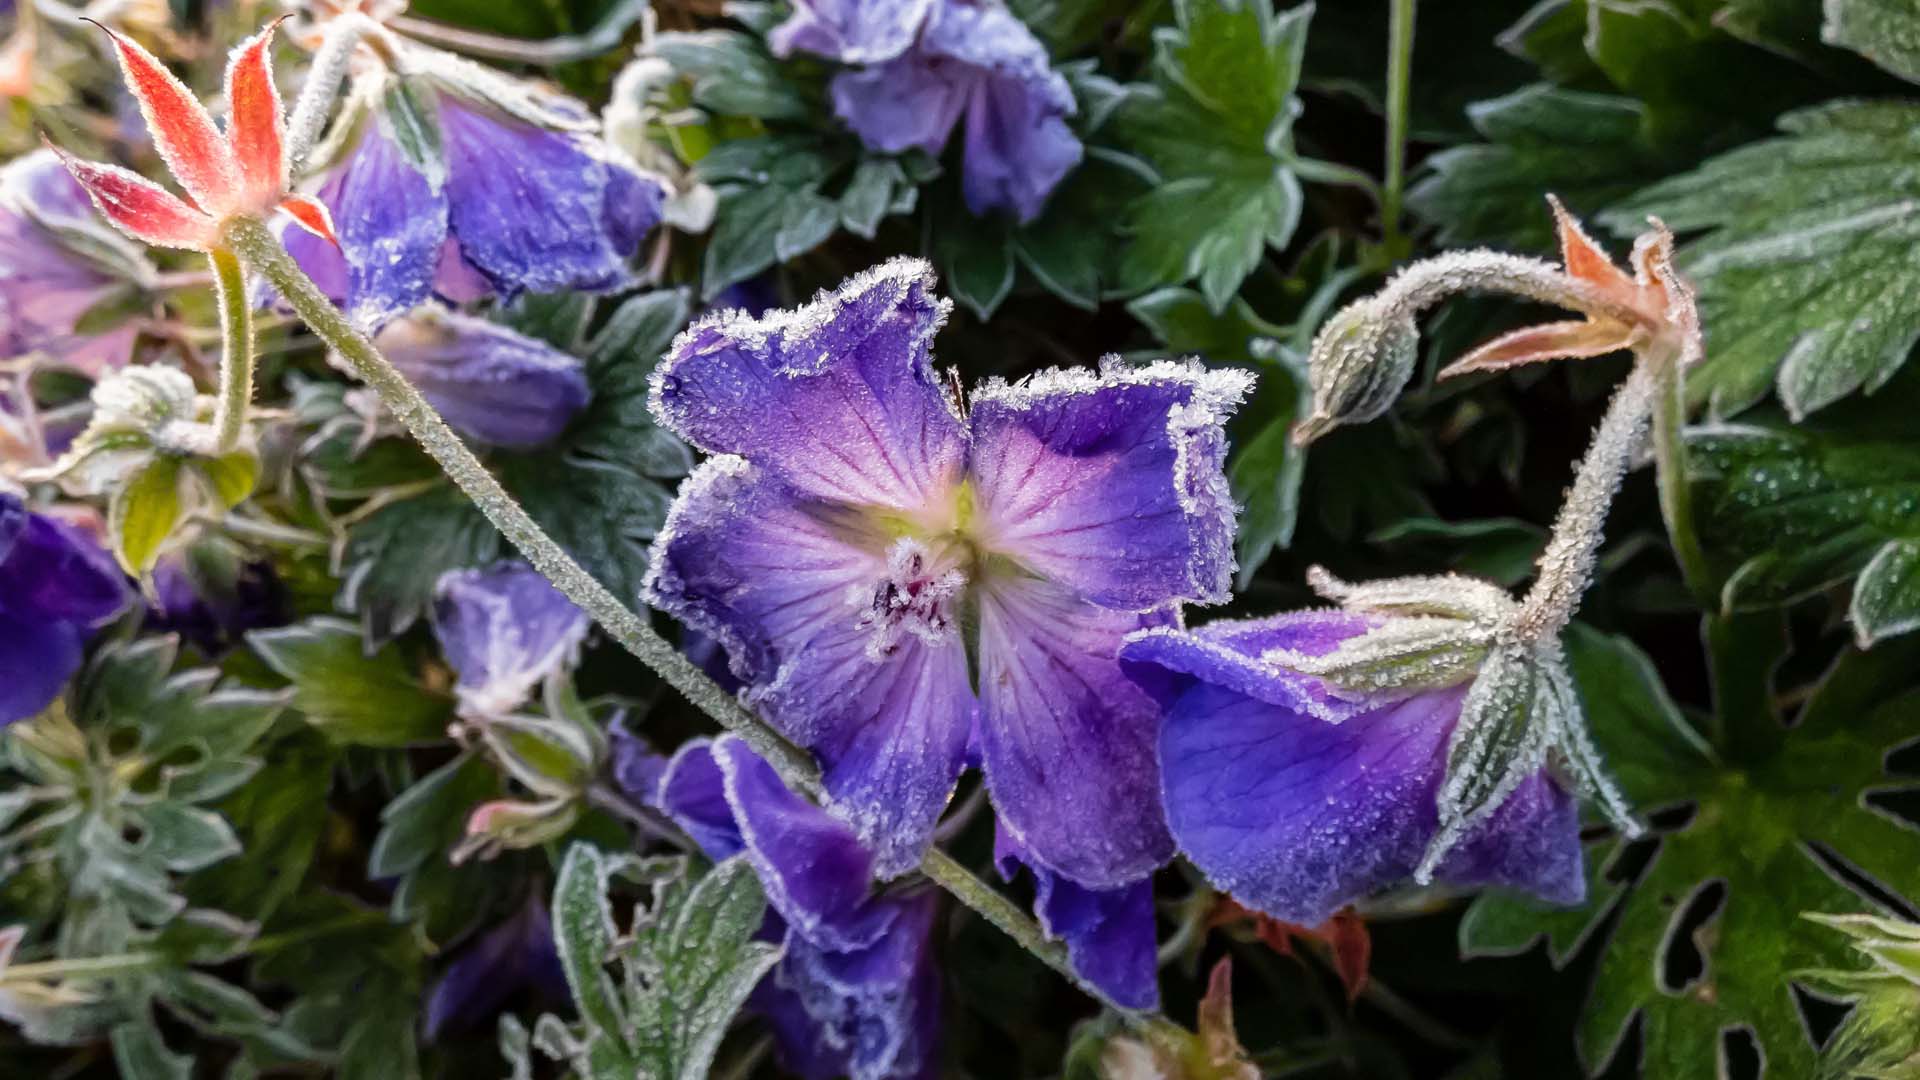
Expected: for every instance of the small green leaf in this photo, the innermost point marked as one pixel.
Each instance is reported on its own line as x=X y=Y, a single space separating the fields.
x=352 y=697
x=143 y=514
x=583 y=933
x=732 y=74
x=185 y=838
x=1886 y=598
x=430 y=816
x=975 y=262
x=1886 y=32
x=709 y=964
x=231 y=477
x=141 y=1054
x=393 y=557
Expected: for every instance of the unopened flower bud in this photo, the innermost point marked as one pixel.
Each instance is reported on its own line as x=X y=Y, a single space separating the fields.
x=1361 y=360
x=512 y=824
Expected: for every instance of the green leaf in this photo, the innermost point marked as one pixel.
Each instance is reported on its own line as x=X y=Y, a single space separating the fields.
x=350 y=696
x=141 y=1054
x=1216 y=123
x=1886 y=598
x=1786 y=512
x=144 y=513
x=1886 y=32
x=427 y=818
x=975 y=262
x=280 y=816
x=603 y=514
x=732 y=74
x=1750 y=840
x=393 y=557
x=1589 y=149
x=185 y=838
x=617 y=425
x=231 y=477
x=1807 y=275
x=584 y=932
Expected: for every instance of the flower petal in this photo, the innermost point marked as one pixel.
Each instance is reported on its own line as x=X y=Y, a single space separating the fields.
x=1067 y=739
x=838 y=397
x=1571 y=340
x=504 y=629
x=908 y=103
x=851 y=31
x=491 y=968
x=312 y=215
x=814 y=869
x=529 y=205
x=141 y=208
x=491 y=383
x=255 y=128
x=391 y=222
x=1111 y=484
x=192 y=146
x=52 y=572
x=693 y=792
x=36 y=660
x=1227 y=652
x=1587 y=260
x=1109 y=933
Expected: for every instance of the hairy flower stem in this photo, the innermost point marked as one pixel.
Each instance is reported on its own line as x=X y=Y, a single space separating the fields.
x=1566 y=566
x=1670 y=471
x=236 y=351
x=322 y=85
x=258 y=246
x=1399 y=94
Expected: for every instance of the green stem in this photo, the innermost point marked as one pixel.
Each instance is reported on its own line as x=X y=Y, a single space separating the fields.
x=236 y=350
x=262 y=250
x=85 y=967
x=1670 y=471
x=1399 y=97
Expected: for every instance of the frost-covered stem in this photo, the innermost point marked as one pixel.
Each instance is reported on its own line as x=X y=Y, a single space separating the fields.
x=322 y=85
x=258 y=246
x=603 y=38
x=1429 y=281
x=1670 y=472
x=1399 y=94
x=1567 y=565
x=261 y=249
x=236 y=349
x=85 y=967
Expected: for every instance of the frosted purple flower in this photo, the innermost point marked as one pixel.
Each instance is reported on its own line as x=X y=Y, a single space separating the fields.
x=1109 y=933
x=47 y=284
x=869 y=556
x=1299 y=802
x=57 y=586
x=508 y=206
x=504 y=629
x=484 y=973
x=211 y=596
x=857 y=993
x=929 y=64
x=489 y=382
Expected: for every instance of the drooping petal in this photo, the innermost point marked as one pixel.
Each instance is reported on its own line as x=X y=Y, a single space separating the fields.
x=1068 y=740
x=908 y=103
x=36 y=660
x=504 y=629
x=1109 y=933
x=693 y=792
x=1298 y=817
x=195 y=152
x=1111 y=484
x=870 y=1014
x=52 y=572
x=1571 y=340
x=141 y=208
x=491 y=383
x=838 y=396
x=851 y=31
x=816 y=873
x=255 y=127
x=529 y=205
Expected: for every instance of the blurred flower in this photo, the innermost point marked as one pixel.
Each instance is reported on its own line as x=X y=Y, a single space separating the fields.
x=857 y=993
x=56 y=587
x=630 y=117
x=455 y=182
x=514 y=955
x=490 y=383
x=69 y=288
x=1298 y=797
x=886 y=572
x=210 y=594
x=504 y=629
x=930 y=62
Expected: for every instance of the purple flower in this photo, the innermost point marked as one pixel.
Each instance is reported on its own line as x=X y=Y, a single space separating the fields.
x=56 y=587
x=504 y=629
x=857 y=993
x=1109 y=933
x=930 y=63
x=509 y=206
x=47 y=284
x=489 y=382
x=518 y=953
x=1299 y=803
x=868 y=556
x=211 y=596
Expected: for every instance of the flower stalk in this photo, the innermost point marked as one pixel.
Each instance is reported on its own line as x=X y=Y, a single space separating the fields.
x=237 y=349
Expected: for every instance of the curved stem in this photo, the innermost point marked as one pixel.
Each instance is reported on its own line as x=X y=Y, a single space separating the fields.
x=236 y=355
x=322 y=85
x=1399 y=97
x=1676 y=492
x=261 y=249
x=604 y=37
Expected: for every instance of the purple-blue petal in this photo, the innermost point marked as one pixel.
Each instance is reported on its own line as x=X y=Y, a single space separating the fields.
x=46 y=287
x=637 y=769
x=908 y=103
x=213 y=614
x=391 y=220
x=36 y=660
x=1112 y=484
x=491 y=968
x=504 y=629
x=851 y=31
x=693 y=792
x=491 y=383
x=539 y=210
x=1109 y=933
x=1298 y=816
x=838 y=397
x=1226 y=653
x=52 y=572
x=1068 y=739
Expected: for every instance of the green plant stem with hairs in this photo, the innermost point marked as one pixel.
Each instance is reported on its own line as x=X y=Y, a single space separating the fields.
x=236 y=359
x=1399 y=103
x=259 y=248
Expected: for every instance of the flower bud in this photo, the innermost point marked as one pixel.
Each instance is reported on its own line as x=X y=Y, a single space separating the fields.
x=553 y=757
x=512 y=824
x=1878 y=1036
x=1361 y=360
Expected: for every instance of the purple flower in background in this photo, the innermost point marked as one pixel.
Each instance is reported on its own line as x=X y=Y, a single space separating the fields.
x=931 y=62
x=1109 y=933
x=887 y=573
x=56 y=587
x=47 y=283
x=857 y=993
x=518 y=953
x=506 y=204
x=504 y=629
x=491 y=383
x=1298 y=802
x=211 y=597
